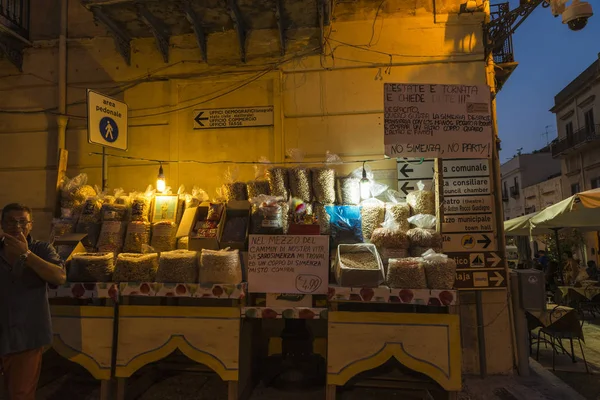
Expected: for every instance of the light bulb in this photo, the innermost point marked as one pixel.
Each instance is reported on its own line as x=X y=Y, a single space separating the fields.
x=365 y=189
x=365 y=186
x=161 y=183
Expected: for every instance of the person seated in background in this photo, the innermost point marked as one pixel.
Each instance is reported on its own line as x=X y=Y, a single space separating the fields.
x=592 y=270
x=572 y=269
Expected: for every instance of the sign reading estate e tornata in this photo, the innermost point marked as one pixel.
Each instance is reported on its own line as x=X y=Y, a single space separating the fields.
x=436 y=120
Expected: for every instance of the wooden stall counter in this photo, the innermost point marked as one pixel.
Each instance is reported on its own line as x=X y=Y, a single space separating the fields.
x=427 y=343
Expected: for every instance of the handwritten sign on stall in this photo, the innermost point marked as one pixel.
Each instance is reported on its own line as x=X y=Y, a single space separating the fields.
x=288 y=264
x=447 y=121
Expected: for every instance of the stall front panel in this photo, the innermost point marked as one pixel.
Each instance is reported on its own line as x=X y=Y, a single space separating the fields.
x=84 y=335
x=206 y=335
x=426 y=343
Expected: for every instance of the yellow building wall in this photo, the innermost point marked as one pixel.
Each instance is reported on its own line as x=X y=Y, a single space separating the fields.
x=331 y=102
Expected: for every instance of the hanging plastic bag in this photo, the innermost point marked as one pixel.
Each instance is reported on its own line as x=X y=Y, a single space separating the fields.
x=260 y=184
x=141 y=203
x=232 y=189
x=345 y=224
x=421 y=201
x=372 y=212
x=440 y=270
x=424 y=236
x=300 y=179
x=323 y=180
x=197 y=197
x=390 y=236
x=376 y=188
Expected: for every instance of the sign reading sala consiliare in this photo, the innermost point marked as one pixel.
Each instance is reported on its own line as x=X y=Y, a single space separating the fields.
x=447 y=121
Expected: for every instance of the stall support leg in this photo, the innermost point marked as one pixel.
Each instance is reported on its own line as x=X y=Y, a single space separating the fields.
x=331 y=392
x=121 y=383
x=481 y=335
x=232 y=390
x=105 y=387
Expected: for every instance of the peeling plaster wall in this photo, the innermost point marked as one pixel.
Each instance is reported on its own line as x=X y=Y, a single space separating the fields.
x=322 y=103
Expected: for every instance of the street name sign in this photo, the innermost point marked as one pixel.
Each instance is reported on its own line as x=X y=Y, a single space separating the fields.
x=107 y=121
x=468 y=205
x=240 y=117
x=480 y=279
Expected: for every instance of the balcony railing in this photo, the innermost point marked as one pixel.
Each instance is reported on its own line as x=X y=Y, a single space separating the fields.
x=576 y=140
x=514 y=192
x=504 y=196
x=14 y=15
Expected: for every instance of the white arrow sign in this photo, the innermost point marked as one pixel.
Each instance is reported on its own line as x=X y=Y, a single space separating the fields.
x=494 y=259
x=497 y=278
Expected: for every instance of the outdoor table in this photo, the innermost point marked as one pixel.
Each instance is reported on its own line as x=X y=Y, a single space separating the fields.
x=587 y=291
x=556 y=318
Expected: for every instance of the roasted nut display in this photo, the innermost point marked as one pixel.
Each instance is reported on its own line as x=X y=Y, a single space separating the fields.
x=300 y=184
x=136 y=267
x=421 y=202
x=359 y=260
x=220 y=266
x=164 y=236
x=91 y=267
x=235 y=191
x=323 y=218
x=323 y=183
x=137 y=235
x=406 y=273
x=420 y=237
x=348 y=191
x=372 y=217
x=111 y=237
x=178 y=266
x=399 y=212
x=256 y=188
x=278 y=182
x=391 y=238
x=440 y=272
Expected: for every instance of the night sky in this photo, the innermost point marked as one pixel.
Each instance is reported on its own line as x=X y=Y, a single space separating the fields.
x=550 y=56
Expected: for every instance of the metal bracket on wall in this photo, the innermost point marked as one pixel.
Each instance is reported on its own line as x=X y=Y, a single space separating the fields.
x=499 y=30
x=12 y=50
x=194 y=20
x=121 y=37
x=159 y=29
x=281 y=24
x=240 y=26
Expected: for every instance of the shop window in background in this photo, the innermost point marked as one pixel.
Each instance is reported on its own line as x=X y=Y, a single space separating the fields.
x=596 y=183
x=575 y=188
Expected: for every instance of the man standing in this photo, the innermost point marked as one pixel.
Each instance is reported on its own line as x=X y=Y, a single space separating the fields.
x=543 y=260
x=26 y=266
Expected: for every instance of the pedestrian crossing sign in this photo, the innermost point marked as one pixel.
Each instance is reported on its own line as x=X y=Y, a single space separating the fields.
x=107 y=121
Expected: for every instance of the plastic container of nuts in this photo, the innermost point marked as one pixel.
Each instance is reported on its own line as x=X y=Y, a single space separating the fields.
x=358 y=265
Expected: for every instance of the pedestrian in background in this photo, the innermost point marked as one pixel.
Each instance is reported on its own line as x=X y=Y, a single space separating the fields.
x=26 y=266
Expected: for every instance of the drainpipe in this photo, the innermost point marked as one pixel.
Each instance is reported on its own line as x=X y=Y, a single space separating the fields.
x=62 y=119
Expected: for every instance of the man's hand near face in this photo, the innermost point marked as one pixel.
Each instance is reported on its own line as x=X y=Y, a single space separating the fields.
x=14 y=247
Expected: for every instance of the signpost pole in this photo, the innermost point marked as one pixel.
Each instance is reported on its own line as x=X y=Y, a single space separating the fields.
x=481 y=334
x=104 y=168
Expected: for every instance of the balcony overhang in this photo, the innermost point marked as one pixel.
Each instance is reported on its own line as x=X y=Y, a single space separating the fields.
x=160 y=19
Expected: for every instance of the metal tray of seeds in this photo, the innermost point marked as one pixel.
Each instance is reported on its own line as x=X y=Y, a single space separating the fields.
x=358 y=265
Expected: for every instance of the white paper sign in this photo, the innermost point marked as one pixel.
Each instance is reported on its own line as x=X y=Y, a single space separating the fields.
x=288 y=264
x=448 y=121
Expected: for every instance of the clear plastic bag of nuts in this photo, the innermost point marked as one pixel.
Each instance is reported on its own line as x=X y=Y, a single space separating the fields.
x=406 y=273
x=424 y=235
x=232 y=189
x=300 y=178
x=372 y=213
x=440 y=270
x=421 y=201
x=260 y=184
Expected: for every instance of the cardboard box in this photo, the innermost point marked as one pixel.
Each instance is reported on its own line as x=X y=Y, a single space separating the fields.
x=351 y=277
x=186 y=228
x=69 y=245
x=235 y=209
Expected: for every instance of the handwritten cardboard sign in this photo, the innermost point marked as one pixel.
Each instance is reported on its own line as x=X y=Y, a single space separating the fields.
x=288 y=264
x=447 y=121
